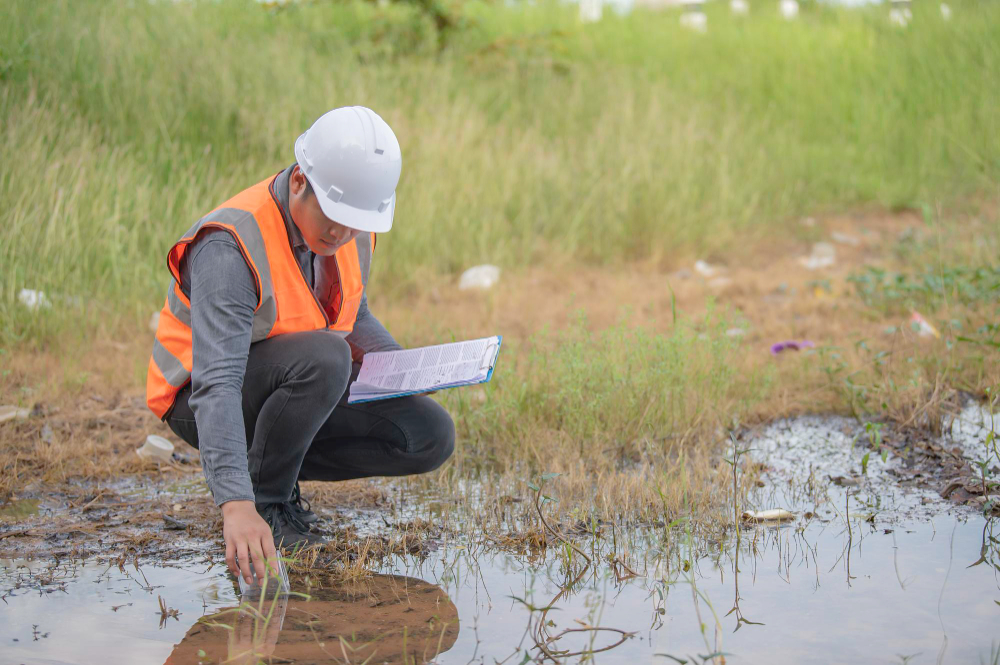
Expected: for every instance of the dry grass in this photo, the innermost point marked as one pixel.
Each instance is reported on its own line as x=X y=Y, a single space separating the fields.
x=643 y=465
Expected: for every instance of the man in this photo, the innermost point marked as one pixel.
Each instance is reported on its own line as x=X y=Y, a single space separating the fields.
x=265 y=324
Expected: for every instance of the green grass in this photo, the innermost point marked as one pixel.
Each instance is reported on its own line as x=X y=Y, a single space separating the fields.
x=526 y=135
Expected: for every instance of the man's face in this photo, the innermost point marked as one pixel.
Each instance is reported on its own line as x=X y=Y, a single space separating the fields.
x=323 y=235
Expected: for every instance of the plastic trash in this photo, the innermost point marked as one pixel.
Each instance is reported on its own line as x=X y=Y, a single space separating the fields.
x=706 y=270
x=789 y=9
x=773 y=515
x=845 y=481
x=739 y=7
x=8 y=412
x=34 y=300
x=900 y=14
x=845 y=239
x=823 y=255
x=482 y=277
x=273 y=585
x=156 y=449
x=694 y=17
x=790 y=345
x=922 y=326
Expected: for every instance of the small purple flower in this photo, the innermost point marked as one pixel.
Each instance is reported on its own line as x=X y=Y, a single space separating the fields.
x=791 y=345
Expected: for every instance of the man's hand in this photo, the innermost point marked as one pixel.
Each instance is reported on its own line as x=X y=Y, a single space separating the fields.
x=248 y=538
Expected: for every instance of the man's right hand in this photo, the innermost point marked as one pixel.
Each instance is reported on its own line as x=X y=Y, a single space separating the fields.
x=248 y=539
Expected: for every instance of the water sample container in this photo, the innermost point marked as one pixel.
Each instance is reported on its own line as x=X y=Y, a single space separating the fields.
x=274 y=585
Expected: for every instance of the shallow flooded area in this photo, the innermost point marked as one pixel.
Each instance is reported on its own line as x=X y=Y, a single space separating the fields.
x=818 y=594
x=859 y=568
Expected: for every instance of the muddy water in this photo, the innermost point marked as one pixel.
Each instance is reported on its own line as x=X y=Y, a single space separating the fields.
x=867 y=573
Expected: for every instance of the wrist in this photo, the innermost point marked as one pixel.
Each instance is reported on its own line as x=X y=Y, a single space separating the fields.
x=238 y=507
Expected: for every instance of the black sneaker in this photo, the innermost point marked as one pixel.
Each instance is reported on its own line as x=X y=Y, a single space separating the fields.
x=288 y=530
x=302 y=508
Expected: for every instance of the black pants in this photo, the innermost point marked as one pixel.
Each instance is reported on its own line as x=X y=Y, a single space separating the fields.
x=300 y=427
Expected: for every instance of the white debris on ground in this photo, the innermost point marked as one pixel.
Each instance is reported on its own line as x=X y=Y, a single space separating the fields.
x=8 y=412
x=945 y=11
x=154 y=321
x=482 y=277
x=922 y=326
x=845 y=239
x=34 y=300
x=826 y=452
x=694 y=19
x=705 y=270
x=823 y=255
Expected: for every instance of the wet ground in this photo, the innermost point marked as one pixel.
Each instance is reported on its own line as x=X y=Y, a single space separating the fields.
x=876 y=567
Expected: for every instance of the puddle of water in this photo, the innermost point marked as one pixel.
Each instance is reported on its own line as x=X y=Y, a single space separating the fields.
x=894 y=582
x=822 y=594
x=80 y=613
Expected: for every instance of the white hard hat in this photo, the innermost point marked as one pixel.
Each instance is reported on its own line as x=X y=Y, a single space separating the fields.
x=352 y=159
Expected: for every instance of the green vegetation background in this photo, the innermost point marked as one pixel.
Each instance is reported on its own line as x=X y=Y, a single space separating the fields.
x=524 y=132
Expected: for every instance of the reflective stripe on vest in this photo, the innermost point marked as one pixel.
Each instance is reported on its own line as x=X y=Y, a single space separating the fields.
x=286 y=303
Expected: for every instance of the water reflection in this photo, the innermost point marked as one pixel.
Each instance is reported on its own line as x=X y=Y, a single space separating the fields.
x=386 y=618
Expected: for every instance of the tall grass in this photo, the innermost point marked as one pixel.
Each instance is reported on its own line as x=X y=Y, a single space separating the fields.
x=528 y=134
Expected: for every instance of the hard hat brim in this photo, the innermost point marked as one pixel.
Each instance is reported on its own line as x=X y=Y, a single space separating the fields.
x=355 y=218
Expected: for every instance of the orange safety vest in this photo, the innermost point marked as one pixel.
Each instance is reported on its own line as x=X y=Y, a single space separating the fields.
x=285 y=301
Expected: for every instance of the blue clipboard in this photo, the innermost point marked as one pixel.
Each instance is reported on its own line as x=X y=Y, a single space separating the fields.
x=489 y=375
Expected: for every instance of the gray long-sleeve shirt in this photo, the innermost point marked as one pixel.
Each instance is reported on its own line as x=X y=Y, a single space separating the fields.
x=220 y=286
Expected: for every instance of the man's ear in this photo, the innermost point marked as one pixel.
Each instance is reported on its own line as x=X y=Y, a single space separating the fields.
x=296 y=181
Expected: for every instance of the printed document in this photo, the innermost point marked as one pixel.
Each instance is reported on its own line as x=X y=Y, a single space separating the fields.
x=388 y=374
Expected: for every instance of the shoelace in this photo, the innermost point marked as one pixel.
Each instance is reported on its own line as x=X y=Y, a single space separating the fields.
x=282 y=511
x=300 y=501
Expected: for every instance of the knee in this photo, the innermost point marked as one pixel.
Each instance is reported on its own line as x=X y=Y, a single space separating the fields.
x=327 y=358
x=436 y=437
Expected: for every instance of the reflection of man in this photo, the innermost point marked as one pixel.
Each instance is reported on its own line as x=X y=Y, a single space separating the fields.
x=378 y=617
x=263 y=318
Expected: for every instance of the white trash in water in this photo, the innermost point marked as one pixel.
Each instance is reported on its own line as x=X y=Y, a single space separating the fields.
x=480 y=277
x=773 y=515
x=33 y=300
x=156 y=449
x=789 y=8
x=823 y=255
x=154 y=321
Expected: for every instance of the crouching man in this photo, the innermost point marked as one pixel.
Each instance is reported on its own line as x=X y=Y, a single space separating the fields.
x=264 y=326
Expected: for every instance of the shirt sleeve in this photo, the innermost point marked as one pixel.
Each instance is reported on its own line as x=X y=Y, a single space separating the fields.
x=223 y=300
x=369 y=334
